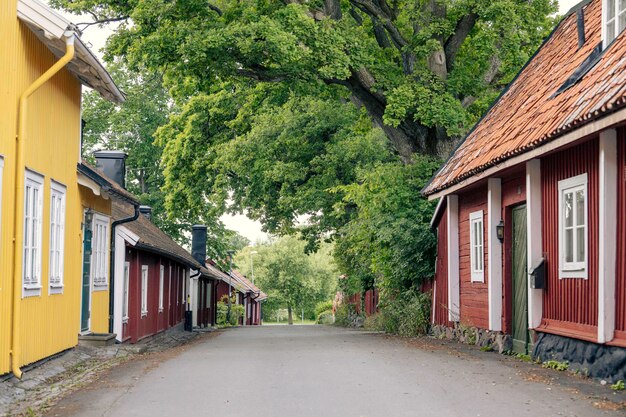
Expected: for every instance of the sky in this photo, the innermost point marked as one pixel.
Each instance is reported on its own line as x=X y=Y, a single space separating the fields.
x=96 y=38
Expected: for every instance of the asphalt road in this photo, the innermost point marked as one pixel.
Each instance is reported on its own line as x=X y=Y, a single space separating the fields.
x=314 y=371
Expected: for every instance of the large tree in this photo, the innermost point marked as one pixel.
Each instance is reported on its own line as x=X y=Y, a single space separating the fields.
x=422 y=69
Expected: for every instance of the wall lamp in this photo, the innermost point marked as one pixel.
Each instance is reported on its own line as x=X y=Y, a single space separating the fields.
x=500 y=231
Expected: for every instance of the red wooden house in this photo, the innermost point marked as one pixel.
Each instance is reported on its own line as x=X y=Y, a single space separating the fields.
x=252 y=300
x=531 y=219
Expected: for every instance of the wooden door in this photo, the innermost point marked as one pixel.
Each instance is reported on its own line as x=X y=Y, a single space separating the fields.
x=520 y=281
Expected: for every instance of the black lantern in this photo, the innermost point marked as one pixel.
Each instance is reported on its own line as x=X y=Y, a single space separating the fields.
x=500 y=231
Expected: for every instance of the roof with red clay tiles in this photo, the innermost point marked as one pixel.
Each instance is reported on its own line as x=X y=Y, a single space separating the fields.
x=529 y=114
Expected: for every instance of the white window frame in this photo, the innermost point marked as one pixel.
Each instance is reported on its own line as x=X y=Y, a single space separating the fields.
x=607 y=36
x=56 y=280
x=145 y=271
x=477 y=259
x=31 y=285
x=100 y=253
x=575 y=269
x=125 y=292
x=161 y=277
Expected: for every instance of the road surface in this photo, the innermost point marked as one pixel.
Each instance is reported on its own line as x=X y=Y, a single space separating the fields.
x=315 y=371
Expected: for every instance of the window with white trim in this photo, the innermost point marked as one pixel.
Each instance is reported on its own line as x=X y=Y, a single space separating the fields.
x=125 y=289
x=99 y=252
x=477 y=245
x=161 y=276
x=573 y=227
x=57 y=237
x=144 y=290
x=31 y=263
x=614 y=19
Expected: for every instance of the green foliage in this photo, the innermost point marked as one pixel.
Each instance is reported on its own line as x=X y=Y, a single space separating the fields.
x=236 y=312
x=323 y=306
x=389 y=241
x=325 y=317
x=618 y=386
x=406 y=314
x=559 y=366
x=344 y=315
x=375 y=322
x=487 y=348
x=291 y=278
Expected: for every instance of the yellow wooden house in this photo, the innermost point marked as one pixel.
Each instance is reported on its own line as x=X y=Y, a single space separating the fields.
x=46 y=202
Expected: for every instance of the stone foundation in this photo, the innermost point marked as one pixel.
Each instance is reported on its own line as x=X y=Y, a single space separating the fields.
x=592 y=359
x=498 y=341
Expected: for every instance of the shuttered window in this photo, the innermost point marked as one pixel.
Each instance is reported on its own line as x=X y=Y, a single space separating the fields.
x=477 y=245
x=144 y=290
x=99 y=252
x=57 y=237
x=125 y=297
x=573 y=227
x=161 y=277
x=31 y=262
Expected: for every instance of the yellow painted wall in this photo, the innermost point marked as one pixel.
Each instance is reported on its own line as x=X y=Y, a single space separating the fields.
x=99 y=299
x=49 y=323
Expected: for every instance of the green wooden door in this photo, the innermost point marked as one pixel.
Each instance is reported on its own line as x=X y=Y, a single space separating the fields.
x=85 y=311
x=520 y=281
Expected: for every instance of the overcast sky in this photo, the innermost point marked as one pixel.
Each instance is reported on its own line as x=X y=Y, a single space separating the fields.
x=96 y=37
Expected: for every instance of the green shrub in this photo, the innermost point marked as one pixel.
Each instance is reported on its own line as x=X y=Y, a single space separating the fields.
x=559 y=366
x=326 y=317
x=323 y=307
x=407 y=314
x=236 y=312
x=618 y=386
x=343 y=314
x=375 y=322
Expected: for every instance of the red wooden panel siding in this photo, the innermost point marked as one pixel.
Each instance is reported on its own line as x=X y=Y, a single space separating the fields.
x=474 y=295
x=440 y=287
x=570 y=303
x=620 y=288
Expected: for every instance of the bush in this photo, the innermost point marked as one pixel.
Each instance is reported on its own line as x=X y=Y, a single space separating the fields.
x=236 y=312
x=323 y=307
x=408 y=314
x=326 y=317
x=375 y=322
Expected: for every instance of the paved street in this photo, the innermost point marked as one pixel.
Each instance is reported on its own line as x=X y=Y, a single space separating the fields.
x=313 y=371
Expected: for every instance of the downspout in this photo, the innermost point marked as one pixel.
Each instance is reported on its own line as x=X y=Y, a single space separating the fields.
x=18 y=204
x=116 y=223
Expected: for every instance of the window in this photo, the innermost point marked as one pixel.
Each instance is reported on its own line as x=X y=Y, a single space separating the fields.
x=573 y=227
x=31 y=266
x=125 y=289
x=99 y=252
x=477 y=244
x=161 y=274
x=614 y=18
x=57 y=236
x=144 y=290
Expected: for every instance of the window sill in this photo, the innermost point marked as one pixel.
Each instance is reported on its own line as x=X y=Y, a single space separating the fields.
x=124 y=320
x=56 y=289
x=104 y=287
x=579 y=274
x=144 y=314
x=31 y=291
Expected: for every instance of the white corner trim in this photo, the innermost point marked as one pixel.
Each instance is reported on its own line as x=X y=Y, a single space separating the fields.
x=534 y=243
x=436 y=213
x=127 y=235
x=494 y=253
x=43 y=17
x=607 y=257
x=454 y=288
x=117 y=276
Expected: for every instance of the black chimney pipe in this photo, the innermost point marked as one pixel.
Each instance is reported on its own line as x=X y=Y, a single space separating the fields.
x=113 y=164
x=146 y=211
x=198 y=243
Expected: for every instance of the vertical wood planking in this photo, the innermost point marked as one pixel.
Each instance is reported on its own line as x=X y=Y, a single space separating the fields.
x=620 y=287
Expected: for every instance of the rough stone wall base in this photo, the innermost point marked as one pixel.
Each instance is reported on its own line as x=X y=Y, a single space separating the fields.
x=498 y=341
x=592 y=359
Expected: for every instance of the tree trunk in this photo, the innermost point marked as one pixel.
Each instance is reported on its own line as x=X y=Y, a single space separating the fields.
x=289 y=315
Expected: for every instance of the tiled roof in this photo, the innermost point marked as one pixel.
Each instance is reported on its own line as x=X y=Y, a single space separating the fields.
x=106 y=182
x=529 y=114
x=259 y=295
x=153 y=239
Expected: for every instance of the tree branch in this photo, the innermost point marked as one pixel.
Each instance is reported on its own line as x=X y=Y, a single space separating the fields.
x=216 y=9
x=102 y=21
x=374 y=11
x=452 y=45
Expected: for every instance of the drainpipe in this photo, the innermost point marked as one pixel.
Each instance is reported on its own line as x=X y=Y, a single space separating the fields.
x=18 y=204
x=116 y=223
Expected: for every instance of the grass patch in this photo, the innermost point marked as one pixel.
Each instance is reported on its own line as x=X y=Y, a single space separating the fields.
x=559 y=366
